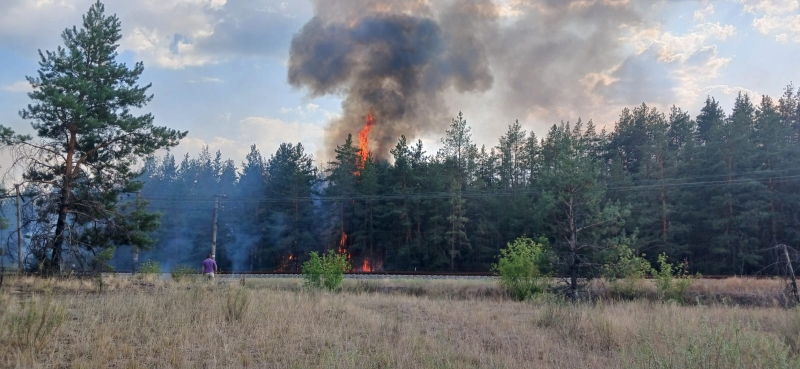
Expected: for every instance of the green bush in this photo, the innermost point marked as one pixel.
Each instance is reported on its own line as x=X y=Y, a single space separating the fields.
x=521 y=267
x=150 y=267
x=626 y=273
x=181 y=272
x=149 y=271
x=672 y=281
x=325 y=272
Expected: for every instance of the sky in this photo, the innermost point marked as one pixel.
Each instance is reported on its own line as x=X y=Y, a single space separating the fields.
x=219 y=67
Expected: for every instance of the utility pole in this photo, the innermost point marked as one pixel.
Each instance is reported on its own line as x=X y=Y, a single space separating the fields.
x=19 y=230
x=136 y=248
x=214 y=227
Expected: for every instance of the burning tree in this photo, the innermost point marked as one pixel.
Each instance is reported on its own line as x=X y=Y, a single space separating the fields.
x=88 y=142
x=353 y=226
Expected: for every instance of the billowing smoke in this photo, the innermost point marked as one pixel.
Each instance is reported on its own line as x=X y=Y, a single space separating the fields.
x=400 y=59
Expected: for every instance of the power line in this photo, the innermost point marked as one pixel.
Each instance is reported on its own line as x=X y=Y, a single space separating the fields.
x=448 y=195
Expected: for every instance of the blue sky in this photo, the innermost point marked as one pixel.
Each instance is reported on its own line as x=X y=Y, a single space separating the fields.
x=219 y=68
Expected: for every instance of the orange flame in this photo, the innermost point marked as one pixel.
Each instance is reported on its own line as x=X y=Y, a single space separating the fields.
x=366 y=267
x=363 y=140
x=285 y=265
x=342 y=249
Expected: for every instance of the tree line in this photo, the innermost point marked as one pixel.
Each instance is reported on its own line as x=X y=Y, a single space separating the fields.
x=715 y=192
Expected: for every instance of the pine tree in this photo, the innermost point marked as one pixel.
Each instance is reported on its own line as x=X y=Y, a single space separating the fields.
x=89 y=140
x=290 y=222
x=574 y=203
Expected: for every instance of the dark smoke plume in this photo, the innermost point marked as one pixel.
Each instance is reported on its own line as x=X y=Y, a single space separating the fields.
x=395 y=60
x=400 y=59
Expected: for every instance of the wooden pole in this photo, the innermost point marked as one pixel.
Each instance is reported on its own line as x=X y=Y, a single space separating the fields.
x=791 y=273
x=19 y=230
x=136 y=248
x=214 y=229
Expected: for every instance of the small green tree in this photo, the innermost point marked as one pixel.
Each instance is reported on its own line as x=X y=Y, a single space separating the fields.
x=102 y=259
x=672 y=280
x=626 y=272
x=325 y=272
x=521 y=267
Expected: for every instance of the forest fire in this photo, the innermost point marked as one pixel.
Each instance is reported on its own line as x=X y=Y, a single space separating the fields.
x=289 y=264
x=365 y=266
x=343 y=245
x=363 y=140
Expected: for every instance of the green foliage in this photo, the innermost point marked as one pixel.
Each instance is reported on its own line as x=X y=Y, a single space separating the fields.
x=150 y=268
x=3 y=224
x=33 y=325
x=521 y=267
x=672 y=281
x=727 y=346
x=100 y=264
x=325 y=272
x=791 y=331
x=236 y=302
x=181 y=272
x=626 y=273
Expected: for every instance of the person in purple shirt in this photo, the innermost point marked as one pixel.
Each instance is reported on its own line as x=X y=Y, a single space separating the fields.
x=209 y=267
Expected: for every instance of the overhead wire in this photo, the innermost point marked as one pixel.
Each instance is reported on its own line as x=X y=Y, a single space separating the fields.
x=465 y=194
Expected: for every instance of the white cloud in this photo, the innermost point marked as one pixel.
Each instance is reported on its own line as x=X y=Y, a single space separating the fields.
x=778 y=18
x=784 y=28
x=703 y=13
x=674 y=47
x=19 y=86
x=206 y=80
x=164 y=33
x=692 y=58
x=691 y=77
x=729 y=90
x=770 y=6
x=266 y=132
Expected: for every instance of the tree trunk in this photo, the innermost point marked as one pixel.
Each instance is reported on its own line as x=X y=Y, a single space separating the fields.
x=54 y=266
x=573 y=251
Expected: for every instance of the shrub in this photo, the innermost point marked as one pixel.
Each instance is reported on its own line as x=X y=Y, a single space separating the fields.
x=626 y=273
x=181 y=272
x=236 y=304
x=150 y=267
x=325 y=272
x=672 y=281
x=520 y=267
x=34 y=324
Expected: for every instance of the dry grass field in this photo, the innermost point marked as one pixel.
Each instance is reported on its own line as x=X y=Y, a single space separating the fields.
x=379 y=324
